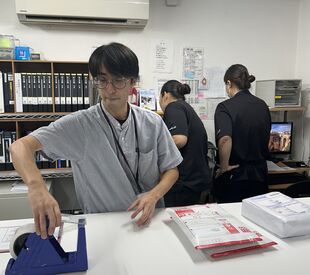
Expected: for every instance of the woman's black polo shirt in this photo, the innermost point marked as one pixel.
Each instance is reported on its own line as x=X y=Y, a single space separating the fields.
x=194 y=171
x=246 y=119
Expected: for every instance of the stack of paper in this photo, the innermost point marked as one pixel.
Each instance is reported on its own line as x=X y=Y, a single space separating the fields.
x=272 y=167
x=19 y=187
x=6 y=234
x=211 y=228
x=278 y=213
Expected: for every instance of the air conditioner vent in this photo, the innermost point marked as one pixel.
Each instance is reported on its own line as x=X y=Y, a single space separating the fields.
x=124 y=13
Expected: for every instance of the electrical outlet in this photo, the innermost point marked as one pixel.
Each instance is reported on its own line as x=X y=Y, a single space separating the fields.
x=172 y=3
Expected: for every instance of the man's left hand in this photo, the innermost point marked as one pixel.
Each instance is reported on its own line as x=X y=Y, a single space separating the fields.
x=146 y=203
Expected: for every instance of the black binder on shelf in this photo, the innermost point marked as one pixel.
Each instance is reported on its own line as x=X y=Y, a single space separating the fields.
x=44 y=93
x=2 y=155
x=40 y=106
x=74 y=93
x=6 y=92
x=49 y=93
x=34 y=97
x=63 y=163
x=7 y=141
x=79 y=81
x=30 y=92
x=13 y=136
x=62 y=92
x=1 y=93
x=25 y=92
x=38 y=161
x=85 y=91
x=11 y=93
x=68 y=92
x=56 y=92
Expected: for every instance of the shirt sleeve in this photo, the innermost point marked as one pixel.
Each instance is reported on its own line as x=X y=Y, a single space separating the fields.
x=176 y=120
x=169 y=155
x=223 y=122
x=62 y=139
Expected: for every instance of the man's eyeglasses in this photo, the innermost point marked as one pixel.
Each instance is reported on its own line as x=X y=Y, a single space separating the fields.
x=117 y=83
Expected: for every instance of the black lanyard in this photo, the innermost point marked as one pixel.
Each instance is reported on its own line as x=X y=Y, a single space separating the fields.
x=136 y=175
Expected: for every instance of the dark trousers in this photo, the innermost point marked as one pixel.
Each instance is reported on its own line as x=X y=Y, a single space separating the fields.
x=226 y=191
x=182 y=198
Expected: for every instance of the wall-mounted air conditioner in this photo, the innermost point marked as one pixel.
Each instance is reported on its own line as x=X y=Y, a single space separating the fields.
x=127 y=13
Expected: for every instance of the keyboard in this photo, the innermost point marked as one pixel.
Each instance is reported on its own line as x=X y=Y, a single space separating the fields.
x=295 y=164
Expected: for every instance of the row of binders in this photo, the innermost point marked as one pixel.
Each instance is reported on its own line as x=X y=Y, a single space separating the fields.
x=33 y=92
x=7 y=138
x=71 y=92
x=6 y=93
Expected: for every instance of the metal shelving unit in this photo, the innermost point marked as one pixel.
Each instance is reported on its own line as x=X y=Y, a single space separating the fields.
x=24 y=122
x=31 y=116
x=46 y=174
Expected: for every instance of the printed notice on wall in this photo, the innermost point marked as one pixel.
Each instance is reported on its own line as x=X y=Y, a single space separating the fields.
x=162 y=55
x=215 y=82
x=193 y=96
x=158 y=83
x=193 y=63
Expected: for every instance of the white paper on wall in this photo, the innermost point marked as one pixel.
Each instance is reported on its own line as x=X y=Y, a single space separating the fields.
x=162 y=55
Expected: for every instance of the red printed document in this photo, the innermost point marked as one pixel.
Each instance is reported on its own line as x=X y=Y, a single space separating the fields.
x=209 y=226
x=218 y=233
x=219 y=252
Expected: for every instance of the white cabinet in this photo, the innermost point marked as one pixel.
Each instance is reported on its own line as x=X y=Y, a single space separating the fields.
x=14 y=205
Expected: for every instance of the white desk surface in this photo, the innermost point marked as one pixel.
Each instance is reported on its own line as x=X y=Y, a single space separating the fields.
x=116 y=246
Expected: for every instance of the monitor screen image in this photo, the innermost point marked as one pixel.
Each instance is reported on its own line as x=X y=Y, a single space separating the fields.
x=280 y=140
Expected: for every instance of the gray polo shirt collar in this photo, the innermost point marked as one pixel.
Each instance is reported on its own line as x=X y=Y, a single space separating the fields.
x=117 y=126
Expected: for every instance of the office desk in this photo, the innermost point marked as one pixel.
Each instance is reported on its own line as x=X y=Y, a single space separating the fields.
x=281 y=179
x=116 y=246
x=292 y=170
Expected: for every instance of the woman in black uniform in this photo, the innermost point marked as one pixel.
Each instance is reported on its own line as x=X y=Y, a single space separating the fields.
x=190 y=136
x=242 y=130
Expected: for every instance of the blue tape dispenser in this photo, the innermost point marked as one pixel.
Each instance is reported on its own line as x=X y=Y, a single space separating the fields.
x=36 y=256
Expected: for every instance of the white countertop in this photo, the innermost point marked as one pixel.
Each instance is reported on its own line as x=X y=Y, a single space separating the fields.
x=116 y=246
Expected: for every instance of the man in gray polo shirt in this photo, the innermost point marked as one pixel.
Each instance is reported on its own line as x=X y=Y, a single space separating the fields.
x=123 y=157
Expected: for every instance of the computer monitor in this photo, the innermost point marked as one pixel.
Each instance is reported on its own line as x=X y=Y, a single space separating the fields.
x=280 y=141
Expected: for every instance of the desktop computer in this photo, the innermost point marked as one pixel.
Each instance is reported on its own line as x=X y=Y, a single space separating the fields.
x=280 y=148
x=280 y=144
x=281 y=136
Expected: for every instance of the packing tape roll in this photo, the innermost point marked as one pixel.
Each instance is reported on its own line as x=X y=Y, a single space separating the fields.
x=19 y=239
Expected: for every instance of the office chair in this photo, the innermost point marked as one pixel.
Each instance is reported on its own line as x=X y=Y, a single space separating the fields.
x=299 y=189
x=206 y=197
x=212 y=151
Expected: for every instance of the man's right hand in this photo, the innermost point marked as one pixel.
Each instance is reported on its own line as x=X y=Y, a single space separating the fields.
x=44 y=206
x=42 y=203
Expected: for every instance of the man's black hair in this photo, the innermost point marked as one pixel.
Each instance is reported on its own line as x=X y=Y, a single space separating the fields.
x=116 y=58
